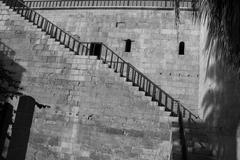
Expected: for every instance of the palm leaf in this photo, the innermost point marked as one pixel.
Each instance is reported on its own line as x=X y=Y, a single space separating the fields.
x=223 y=25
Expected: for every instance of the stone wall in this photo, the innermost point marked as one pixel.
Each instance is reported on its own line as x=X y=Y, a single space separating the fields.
x=93 y=115
x=99 y=118
x=155 y=43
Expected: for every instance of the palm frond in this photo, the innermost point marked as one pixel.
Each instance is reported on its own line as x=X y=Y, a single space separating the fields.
x=222 y=18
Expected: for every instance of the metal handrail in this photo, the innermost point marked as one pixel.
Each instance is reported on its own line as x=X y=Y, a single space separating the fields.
x=50 y=28
x=107 y=3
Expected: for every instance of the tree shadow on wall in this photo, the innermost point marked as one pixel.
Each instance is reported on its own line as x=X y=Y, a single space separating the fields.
x=15 y=119
x=10 y=77
x=221 y=106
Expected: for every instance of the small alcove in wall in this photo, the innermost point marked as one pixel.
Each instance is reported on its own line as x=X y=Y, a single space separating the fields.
x=181 y=48
x=128 y=45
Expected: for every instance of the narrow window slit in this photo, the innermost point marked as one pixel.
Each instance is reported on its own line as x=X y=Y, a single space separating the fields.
x=181 y=48
x=128 y=45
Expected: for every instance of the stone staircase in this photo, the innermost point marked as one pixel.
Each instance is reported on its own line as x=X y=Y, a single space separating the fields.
x=105 y=114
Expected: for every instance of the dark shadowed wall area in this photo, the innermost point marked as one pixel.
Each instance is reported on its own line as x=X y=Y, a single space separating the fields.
x=154 y=47
x=219 y=92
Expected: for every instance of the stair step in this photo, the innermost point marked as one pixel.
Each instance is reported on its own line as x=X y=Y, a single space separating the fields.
x=167 y=113
x=56 y=47
x=140 y=93
x=161 y=108
x=128 y=83
x=134 y=89
x=53 y=41
x=4 y=6
x=155 y=103
x=147 y=98
x=105 y=65
x=31 y=28
x=122 y=79
x=173 y=119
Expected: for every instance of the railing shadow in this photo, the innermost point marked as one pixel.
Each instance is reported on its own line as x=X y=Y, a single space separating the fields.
x=221 y=111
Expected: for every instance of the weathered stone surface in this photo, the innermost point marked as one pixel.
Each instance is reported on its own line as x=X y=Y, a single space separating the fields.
x=155 y=47
x=93 y=116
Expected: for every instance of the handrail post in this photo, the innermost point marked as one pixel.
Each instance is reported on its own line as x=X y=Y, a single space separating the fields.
x=154 y=93
x=60 y=4
x=166 y=100
x=160 y=97
x=111 y=60
x=149 y=88
x=189 y=118
x=105 y=59
x=143 y=88
x=128 y=70
x=121 y=69
x=100 y=55
x=140 y=82
x=133 y=76
x=178 y=107
x=78 y=48
x=116 y=67
x=172 y=104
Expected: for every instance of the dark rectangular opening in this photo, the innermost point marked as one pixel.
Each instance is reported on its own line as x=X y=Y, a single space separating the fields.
x=128 y=45
x=181 y=48
x=95 y=49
